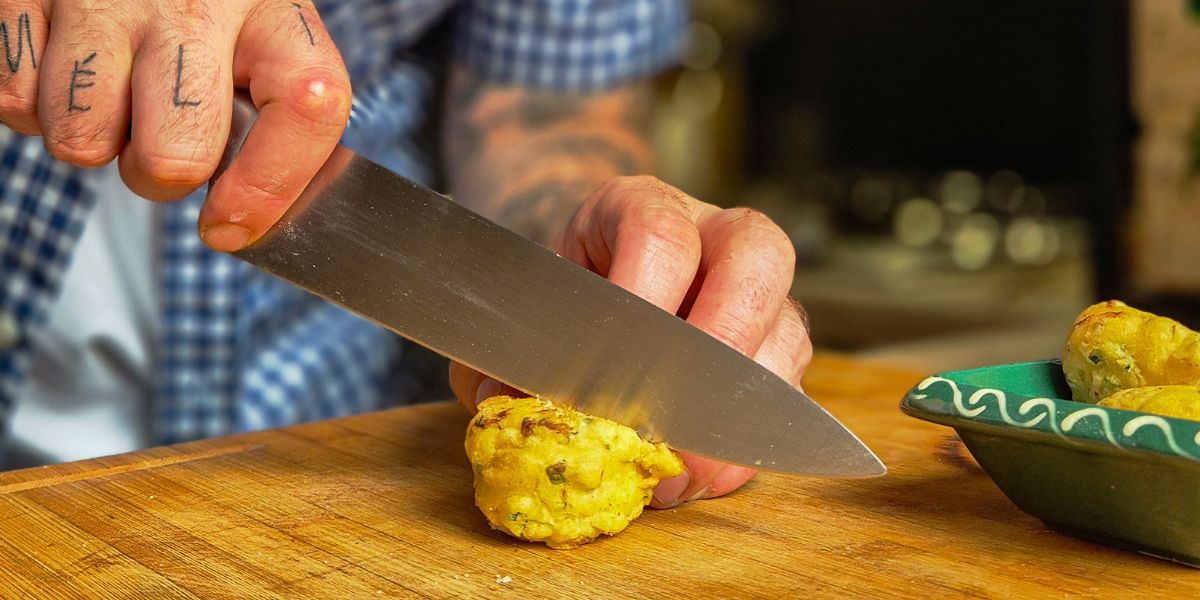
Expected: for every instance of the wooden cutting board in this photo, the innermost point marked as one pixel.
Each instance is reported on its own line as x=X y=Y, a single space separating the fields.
x=381 y=505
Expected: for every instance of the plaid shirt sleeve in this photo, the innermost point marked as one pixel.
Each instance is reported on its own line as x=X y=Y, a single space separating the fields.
x=576 y=45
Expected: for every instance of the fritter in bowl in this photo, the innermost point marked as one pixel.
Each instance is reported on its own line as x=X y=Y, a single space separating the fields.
x=546 y=473
x=1181 y=401
x=1112 y=347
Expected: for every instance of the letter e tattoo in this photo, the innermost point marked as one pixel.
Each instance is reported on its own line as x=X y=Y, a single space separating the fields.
x=80 y=79
x=179 y=82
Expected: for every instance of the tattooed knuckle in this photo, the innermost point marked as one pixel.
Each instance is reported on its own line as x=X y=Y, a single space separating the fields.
x=18 y=42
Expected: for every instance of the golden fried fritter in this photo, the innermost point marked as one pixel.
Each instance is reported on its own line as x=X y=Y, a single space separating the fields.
x=550 y=474
x=1113 y=347
x=1181 y=401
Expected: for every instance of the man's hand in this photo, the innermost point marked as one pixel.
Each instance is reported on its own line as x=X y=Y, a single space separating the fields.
x=152 y=81
x=728 y=272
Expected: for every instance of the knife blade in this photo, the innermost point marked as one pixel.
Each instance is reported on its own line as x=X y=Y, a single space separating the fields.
x=436 y=273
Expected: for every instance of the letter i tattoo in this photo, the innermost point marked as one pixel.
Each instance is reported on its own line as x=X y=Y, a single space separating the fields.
x=304 y=22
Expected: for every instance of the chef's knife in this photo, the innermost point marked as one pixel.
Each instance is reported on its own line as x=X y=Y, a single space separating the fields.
x=436 y=273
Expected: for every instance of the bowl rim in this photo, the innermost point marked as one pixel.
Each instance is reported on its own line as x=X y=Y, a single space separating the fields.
x=949 y=399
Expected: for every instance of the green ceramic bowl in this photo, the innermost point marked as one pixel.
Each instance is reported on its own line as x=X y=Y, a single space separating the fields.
x=1119 y=477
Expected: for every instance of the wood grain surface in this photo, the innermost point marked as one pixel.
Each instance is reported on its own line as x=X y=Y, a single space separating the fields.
x=380 y=505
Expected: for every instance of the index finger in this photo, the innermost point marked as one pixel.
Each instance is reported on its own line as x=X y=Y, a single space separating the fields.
x=300 y=87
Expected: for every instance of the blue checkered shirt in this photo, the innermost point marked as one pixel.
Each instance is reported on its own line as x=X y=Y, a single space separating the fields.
x=240 y=350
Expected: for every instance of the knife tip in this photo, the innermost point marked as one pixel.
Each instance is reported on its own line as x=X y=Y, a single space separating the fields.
x=864 y=466
x=872 y=466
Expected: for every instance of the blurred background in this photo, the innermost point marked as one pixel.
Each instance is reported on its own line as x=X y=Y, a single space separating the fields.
x=960 y=178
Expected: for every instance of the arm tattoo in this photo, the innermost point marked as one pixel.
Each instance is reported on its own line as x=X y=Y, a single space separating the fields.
x=541 y=210
x=640 y=112
x=80 y=79
x=608 y=141
x=24 y=34
x=542 y=110
x=537 y=111
x=581 y=145
x=179 y=82
x=304 y=22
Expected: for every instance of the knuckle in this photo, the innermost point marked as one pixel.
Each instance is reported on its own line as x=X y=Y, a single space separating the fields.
x=603 y=192
x=87 y=145
x=739 y=333
x=641 y=182
x=14 y=104
x=186 y=14
x=653 y=189
x=775 y=246
x=663 y=219
x=667 y=230
x=793 y=336
x=270 y=187
x=81 y=153
x=320 y=100
x=96 y=6
x=757 y=222
x=641 y=191
x=176 y=171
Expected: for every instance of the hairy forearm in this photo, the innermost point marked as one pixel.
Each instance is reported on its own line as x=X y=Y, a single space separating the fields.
x=528 y=159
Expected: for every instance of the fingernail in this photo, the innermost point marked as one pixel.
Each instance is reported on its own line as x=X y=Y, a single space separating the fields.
x=226 y=237
x=487 y=389
x=701 y=494
x=668 y=492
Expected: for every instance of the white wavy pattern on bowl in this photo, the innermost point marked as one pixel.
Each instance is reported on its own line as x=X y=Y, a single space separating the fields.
x=974 y=405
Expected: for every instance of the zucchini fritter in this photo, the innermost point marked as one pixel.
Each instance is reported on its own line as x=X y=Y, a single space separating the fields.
x=550 y=474
x=1113 y=347
x=1181 y=401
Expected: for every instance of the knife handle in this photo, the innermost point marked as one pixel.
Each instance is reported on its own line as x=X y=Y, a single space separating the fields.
x=244 y=115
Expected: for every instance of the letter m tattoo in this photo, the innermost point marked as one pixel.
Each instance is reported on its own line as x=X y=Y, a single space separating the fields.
x=23 y=35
